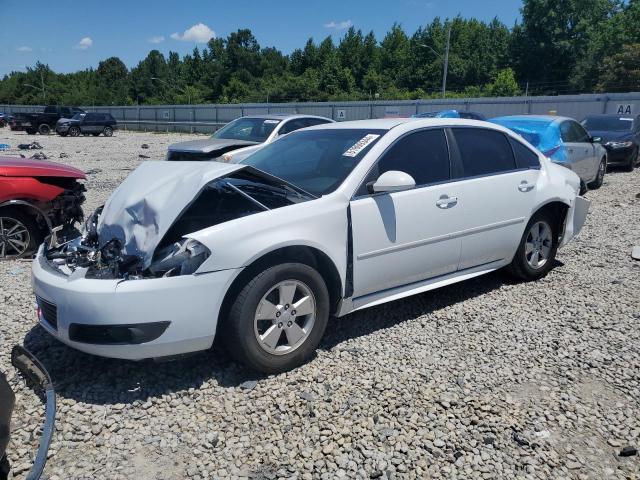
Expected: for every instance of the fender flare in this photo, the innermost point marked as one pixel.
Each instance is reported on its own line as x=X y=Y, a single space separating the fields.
x=31 y=206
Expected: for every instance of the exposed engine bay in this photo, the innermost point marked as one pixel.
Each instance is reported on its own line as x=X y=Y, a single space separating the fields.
x=136 y=240
x=65 y=209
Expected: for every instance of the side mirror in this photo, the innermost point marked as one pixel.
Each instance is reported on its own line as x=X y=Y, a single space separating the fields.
x=596 y=139
x=392 y=181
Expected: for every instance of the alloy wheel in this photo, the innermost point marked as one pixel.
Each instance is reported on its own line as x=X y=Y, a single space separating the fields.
x=537 y=248
x=14 y=237
x=284 y=317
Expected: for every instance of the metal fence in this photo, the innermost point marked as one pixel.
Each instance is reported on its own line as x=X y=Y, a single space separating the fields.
x=207 y=118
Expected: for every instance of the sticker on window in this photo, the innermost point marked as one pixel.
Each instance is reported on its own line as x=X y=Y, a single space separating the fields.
x=360 y=145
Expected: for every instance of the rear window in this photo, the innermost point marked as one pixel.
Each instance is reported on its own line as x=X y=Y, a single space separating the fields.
x=483 y=152
x=525 y=157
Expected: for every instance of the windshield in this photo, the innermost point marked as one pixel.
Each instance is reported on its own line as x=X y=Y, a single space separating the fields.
x=247 y=128
x=78 y=116
x=617 y=124
x=316 y=161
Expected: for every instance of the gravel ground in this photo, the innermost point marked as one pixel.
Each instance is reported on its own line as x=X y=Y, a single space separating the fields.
x=484 y=379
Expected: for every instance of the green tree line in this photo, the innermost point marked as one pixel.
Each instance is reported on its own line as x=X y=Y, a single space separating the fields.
x=559 y=46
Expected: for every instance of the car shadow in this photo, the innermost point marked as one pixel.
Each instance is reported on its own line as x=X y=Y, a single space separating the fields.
x=103 y=381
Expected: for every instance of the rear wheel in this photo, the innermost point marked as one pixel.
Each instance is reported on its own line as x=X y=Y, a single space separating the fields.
x=538 y=246
x=44 y=129
x=602 y=169
x=19 y=234
x=108 y=131
x=74 y=131
x=278 y=318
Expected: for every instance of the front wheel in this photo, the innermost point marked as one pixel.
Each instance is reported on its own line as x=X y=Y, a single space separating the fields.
x=602 y=169
x=74 y=132
x=278 y=318
x=537 y=250
x=633 y=160
x=19 y=234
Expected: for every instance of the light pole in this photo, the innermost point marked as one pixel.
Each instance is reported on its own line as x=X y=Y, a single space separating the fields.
x=183 y=91
x=445 y=60
x=44 y=93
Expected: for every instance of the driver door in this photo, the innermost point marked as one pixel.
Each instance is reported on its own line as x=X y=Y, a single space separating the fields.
x=404 y=237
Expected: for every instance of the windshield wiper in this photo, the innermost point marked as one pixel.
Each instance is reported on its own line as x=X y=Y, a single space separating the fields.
x=284 y=183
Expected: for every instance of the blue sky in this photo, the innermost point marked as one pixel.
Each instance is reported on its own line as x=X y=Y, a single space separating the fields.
x=70 y=36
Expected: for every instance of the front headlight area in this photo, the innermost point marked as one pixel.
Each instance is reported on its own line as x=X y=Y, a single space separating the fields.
x=616 y=145
x=180 y=258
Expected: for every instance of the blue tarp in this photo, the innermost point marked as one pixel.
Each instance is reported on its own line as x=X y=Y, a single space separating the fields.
x=542 y=133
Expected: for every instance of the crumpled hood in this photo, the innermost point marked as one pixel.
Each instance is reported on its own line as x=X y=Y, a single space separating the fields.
x=209 y=145
x=142 y=209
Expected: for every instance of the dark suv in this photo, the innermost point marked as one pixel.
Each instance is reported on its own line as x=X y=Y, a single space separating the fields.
x=87 y=123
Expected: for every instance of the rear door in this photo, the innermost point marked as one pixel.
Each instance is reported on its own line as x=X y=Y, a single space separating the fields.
x=495 y=192
x=579 y=154
x=89 y=123
x=591 y=160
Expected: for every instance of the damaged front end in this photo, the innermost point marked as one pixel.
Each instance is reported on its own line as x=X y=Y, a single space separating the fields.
x=143 y=233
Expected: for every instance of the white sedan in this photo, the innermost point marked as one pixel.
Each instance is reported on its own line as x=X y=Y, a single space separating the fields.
x=324 y=221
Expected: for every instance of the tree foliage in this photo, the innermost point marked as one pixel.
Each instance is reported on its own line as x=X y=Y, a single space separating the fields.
x=560 y=46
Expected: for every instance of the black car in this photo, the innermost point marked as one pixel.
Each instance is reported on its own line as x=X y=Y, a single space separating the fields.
x=87 y=124
x=620 y=135
x=42 y=122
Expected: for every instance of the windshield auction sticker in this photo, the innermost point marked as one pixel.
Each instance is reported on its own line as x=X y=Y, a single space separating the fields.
x=360 y=145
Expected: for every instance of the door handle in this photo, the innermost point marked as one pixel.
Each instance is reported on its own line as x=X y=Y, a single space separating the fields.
x=526 y=186
x=446 y=202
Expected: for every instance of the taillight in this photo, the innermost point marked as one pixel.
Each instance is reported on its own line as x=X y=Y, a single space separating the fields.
x=549 y=153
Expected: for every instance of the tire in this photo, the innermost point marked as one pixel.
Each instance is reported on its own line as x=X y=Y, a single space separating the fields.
x=17 y=228
x=523 y=265
x=31 y=131
x=108 y=131
x=74 y=131
x=44 y=129
x=633 y=160
x=602 y=169
x=283 y=339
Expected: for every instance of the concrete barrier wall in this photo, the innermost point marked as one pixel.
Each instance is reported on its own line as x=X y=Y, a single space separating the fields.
x=207 y=118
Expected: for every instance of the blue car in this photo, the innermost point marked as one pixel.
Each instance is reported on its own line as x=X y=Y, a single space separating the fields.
x=564 y=141
x=450 y=114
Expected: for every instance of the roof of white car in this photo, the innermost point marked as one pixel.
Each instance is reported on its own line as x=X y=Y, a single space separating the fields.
x=389 y=123
x=283 y=116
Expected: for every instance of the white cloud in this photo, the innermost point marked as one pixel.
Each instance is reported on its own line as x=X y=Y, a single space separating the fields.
x=339 y=25
x=24 y=49
x=157 y=39
x=83 y=44
x=199 y=33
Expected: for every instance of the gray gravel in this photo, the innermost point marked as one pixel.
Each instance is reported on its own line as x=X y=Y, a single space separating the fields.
x=487 y=378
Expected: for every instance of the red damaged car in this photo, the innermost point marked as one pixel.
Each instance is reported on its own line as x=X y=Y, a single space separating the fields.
x=37 y=196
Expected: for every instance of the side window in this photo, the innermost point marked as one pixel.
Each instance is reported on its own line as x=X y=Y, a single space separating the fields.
x=292 y=126
x=567 y=133
x=65 y=111
x=525 y=157
x=483 y=151
x=580 y=134
x=424 y=155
